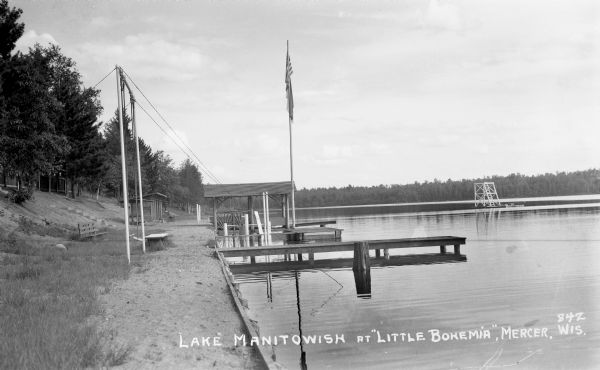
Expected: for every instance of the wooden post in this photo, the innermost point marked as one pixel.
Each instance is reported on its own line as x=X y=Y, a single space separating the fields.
x=386 y=254
x=139 y=172
x=442 y=249
x=123 y=164
x=287 y=211
x=246 y=231
x=311 y=258
x=361 y=256
x=267 y=219
x=251 y=209
x=362 y=269
x=215 y=215
x=377 y=253
x=457 y=249
x=260 y=230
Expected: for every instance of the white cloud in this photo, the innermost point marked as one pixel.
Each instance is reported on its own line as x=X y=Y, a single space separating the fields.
x=442 y=15
x=331 y=151
x=149 y=56
x=30 y=38
x=100 y=22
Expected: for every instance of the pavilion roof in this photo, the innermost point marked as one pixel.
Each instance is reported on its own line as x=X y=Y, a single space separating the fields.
x=244 y=190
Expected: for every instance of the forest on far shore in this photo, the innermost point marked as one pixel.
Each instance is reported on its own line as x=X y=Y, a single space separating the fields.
x=511 y=186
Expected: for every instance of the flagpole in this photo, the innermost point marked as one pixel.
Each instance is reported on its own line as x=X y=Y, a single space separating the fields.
x=290 y=121
x=292 y=176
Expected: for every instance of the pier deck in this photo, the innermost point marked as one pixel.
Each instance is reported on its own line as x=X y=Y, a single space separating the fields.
x=300 y=234
x=377 y=245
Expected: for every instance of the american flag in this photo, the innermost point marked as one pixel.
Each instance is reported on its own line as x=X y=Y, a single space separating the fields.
x=288 y=85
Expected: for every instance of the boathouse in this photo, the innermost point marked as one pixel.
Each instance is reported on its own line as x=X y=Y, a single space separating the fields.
x=219 y=193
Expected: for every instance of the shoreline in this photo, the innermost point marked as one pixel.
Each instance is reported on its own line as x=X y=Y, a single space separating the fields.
x=178 y=291
x=559 y=199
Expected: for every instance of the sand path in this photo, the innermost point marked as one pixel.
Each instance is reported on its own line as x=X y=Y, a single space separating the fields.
x=177 y=290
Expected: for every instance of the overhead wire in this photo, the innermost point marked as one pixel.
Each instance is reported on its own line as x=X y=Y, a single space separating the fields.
x=202 y=165
x=203 y=168
x=104 y=78
x=175 y=142
x=206 y=169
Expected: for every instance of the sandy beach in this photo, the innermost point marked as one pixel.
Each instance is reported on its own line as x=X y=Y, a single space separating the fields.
x=179 y=290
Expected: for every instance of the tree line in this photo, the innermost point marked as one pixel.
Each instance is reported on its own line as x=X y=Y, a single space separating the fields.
x=50 y=125
x=511 y=186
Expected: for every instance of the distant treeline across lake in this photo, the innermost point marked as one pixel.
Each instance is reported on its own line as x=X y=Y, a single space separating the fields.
x=511 y=186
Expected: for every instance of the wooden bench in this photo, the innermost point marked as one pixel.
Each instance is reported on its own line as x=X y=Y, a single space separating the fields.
x=157 y=238
x=88 y=231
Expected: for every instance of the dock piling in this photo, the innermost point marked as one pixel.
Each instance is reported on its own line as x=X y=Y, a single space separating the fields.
x=362 y=269
x=361 y=256
x=246 y=231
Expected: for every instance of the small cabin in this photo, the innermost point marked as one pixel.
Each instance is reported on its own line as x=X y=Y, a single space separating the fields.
x=154 y=207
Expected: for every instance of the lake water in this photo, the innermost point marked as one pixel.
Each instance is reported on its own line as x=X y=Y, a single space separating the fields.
x=525 y=269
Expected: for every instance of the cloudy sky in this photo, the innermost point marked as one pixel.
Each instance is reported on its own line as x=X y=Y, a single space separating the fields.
x=385 y=92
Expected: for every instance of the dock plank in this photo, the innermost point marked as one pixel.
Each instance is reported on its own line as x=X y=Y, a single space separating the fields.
x=315 y=223
x=310 y=230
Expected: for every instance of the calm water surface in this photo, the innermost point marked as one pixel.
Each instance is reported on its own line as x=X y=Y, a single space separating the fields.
x=524 y=268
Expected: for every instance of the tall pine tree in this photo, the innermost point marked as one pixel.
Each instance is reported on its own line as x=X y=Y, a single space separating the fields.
x=77 y=121
x=29 y=140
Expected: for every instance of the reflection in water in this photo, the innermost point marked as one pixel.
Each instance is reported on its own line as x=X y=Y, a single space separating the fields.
x=285 y=269
x=362 y=280
x=524 y=268
x=265 y=272
x=303 y=365
x=486 y=221
x=361 y=266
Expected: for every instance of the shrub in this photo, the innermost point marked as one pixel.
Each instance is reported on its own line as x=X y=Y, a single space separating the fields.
x=21 y=195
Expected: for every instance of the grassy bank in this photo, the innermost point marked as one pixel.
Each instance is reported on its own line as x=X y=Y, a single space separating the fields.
x=49 y=301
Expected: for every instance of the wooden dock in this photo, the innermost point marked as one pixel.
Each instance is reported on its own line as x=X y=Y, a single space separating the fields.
x=300 y=234
x=325 y=247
